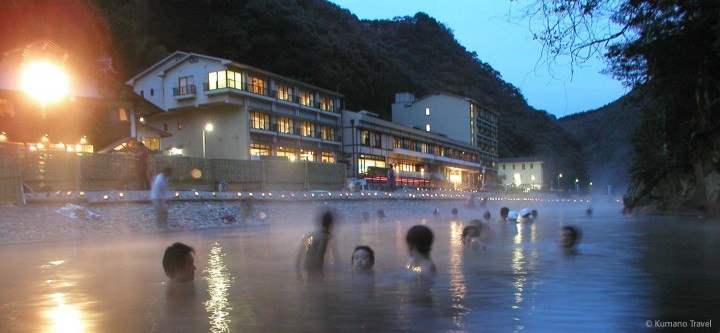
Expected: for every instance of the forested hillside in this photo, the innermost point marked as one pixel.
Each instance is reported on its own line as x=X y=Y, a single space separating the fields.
x=606 y=133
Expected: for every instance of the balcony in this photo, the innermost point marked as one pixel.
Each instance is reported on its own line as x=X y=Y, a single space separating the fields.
x=184 y=92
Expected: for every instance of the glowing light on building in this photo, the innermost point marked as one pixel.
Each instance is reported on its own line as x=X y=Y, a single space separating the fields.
x=45 y=82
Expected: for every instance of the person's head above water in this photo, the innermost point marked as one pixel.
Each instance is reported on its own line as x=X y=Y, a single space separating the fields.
x=454 y=211
x=570 y=237
x=326 y=222
x=381 y=214
x=504 y=212
x=486 y=216
x=469 y=233
x=363 y=258
x=419 y=239
x=534 y=213
x=179 y=263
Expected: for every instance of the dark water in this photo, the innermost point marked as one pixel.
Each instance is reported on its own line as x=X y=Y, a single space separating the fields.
x=627 y=271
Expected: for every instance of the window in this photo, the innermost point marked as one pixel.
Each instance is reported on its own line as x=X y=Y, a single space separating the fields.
x=179 y=125
x=366 y=161
x=424 y=148
x=142 y=93
x=186 y=85
x=152 y=92
x=327 y=157
x=257 y=149
x=259 y=120
x=285 y=125
x=427 y=111
x=224 y=79
x=365 y=138
x=406 y=166
x=308 y=155
x=472 y=111
x=165 y=128
x=326 y=104
x=328 y=133
x=531 y=166
x=523 y=166
x=503 y=166
x=427 y=127
x=307 y=128
x=289 y=152
x=378 y=140
x=152 y=143
x=398 y=143
x=284 y=92
x=307 y=98
x=513 y=166
x=122 y=114
x=258 y=86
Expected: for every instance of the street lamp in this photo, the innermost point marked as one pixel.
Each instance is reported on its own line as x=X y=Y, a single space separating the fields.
x=577 y=187
x=558 y=183
x=208 y=128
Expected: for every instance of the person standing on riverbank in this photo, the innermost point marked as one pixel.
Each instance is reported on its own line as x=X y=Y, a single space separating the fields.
x=159 y=194
x=391 y=179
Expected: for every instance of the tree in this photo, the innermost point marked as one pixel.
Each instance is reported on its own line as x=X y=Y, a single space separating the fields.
x=667 y=49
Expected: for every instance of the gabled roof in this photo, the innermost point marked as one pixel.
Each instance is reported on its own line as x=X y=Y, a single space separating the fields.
x=155 y=67
x=186 y=55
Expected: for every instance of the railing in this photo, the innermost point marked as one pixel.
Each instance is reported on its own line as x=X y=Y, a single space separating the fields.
x=184 y=90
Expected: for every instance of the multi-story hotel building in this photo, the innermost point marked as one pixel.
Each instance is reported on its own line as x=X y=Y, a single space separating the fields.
x=218 y=108
x=421 y=158
x=460 y=118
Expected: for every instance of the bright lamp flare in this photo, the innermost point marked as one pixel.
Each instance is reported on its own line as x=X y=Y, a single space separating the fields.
x=45 y=82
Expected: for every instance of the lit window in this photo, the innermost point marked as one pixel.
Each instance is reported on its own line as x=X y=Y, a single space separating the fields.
x=259 y=121
x=307 y=128
x=179 y=125
x=288 y=152
x=427 y=127
x=307 y=98
x=258 y=85
x=122 y=114
x=327 y=157
x=307 y=155
x=284 y=92
x=152 y=143
x=326 y=104
x=427 y=111
x=285 y=125
x=257 y=149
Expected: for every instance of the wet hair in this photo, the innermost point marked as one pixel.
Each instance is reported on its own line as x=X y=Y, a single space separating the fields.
x=370 y=252
x=381 y=213
x=420 y=237
x=327 y=220
x=573 y=233
x=534 y=213
x=504 y=212
x=175 y=258
x=487 y=215
x=589 y=211
x=454 y=211
x=471 y=231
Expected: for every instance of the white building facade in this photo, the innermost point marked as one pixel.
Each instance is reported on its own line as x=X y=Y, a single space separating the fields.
x=420 y=158
x=521 y=172
x=218 y=108
x=459 y=118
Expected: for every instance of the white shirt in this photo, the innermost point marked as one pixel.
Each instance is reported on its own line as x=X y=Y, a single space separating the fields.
x=159 y=189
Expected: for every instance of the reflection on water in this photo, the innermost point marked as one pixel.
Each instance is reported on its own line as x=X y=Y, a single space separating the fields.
x=65 y=318
x=219 y=280
x=458 y=289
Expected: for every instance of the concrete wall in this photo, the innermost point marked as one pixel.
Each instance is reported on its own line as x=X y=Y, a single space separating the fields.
x=448 y=115
x=62 y=171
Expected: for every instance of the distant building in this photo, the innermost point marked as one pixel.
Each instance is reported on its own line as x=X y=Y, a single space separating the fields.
x=96 y=114
x=521 y=172
x=253 y=113
x=460 y=118
x=421 y=158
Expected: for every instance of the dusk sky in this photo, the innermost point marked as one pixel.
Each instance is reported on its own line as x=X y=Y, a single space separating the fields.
x=493 y=29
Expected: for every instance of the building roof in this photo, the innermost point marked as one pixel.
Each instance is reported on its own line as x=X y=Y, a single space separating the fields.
x=435 y=93
x=185 y=56
x=372 y=118
x=520 y=160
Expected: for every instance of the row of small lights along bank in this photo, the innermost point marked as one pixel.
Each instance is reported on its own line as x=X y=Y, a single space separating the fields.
x=316 y=195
